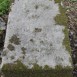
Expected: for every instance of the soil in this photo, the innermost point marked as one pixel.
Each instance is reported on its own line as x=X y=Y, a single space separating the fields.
x=72 y=23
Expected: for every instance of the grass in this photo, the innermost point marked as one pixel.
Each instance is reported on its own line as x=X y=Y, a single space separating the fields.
x=62 y=19
x=4 y=6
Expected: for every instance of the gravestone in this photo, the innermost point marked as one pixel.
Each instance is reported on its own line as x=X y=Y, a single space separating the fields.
x=33 y=37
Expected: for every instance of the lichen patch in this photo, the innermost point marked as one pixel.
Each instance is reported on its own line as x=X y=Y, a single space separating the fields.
x=11 y=47
x=14 y=39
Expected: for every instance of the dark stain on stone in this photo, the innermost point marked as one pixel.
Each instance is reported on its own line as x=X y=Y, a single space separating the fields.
x=23 y=49
x=50 y=44
x=14 y=39
x=11 y=47
x=37 y=30
x=36 y=7
x=12 y=57
x=4 y=53
x=31 y=40
x=42 y=42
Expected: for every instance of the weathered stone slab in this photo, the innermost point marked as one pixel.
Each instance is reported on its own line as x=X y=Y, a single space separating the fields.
x=33 y=37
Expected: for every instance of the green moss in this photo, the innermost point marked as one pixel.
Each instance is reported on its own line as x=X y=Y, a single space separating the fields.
x=44 y=73
x=66 y=40
x=58 y=67
x=18 y=70
x=36 y=67
x=57 y=1
x=62 y=19
x=17 y=66
x=38 y=73
x=46 y=67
